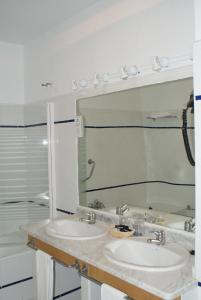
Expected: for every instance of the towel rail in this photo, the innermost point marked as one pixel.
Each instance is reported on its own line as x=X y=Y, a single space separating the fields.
x=31 y=244
x=79 y=266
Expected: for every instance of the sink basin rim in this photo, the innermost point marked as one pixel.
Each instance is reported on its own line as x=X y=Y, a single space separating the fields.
x=99 y=229
x=169 y=247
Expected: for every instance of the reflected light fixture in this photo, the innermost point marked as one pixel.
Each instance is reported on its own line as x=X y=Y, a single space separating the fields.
x=159 y=63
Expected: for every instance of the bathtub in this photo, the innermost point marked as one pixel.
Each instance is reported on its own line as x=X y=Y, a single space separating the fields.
x=17 y=267
x=12 y=243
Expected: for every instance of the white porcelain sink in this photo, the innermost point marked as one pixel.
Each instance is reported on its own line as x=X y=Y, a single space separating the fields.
x=140 y=255
x=75 y=230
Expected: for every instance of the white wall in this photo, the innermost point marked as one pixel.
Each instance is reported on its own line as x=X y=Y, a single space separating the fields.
x=103 y=38
x=197 y=7
x=11 y=73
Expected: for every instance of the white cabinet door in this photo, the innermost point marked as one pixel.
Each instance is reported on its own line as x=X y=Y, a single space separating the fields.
x=90 y=290
x=66 y=280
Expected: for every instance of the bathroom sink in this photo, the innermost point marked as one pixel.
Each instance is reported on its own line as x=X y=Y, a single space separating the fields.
x=140 y=255
x=75 y=230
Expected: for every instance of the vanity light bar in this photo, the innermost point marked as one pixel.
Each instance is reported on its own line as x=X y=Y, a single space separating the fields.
x=158 y=64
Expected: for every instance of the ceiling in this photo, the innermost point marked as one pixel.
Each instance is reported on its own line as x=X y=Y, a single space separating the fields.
x=24 y=20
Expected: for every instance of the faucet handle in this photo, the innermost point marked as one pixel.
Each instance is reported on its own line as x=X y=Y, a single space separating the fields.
x=155 y=232
x=91 y=215
x=189 y=225
x=160 y=234
x=120 y=210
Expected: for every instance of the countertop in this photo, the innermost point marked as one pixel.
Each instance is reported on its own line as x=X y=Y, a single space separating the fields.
x=166 y=285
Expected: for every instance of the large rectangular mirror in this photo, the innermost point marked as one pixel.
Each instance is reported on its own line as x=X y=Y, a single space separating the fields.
x=138 y=149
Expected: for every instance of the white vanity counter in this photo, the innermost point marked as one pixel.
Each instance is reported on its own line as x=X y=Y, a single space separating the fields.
x=166 y=285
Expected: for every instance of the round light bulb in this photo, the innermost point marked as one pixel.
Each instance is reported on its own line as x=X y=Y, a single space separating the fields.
x=133 y=70
x=83 y=83
x=164 y=61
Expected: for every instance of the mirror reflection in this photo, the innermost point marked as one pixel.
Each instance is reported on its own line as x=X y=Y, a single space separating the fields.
x=138 y=149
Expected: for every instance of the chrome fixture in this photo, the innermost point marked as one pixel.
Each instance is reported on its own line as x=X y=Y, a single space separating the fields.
x=159 y=238
x=121 y=210
x=96 y=204
x=124 y=74
x=189 y=225
x=93 y=164
x=90 y=218
x=46 y=84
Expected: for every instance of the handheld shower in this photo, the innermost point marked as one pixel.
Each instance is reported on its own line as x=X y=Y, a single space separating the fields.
x=190 y=104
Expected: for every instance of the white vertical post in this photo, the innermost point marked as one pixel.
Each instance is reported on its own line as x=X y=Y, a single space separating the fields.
x=51 y=160
x=197 y=91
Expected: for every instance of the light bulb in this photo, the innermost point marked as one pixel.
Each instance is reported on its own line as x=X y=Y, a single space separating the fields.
x=133 y=70
x=164 y=61
x=83 y=83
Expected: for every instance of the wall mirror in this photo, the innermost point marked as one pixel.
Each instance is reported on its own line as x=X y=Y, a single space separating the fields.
x=138 y=149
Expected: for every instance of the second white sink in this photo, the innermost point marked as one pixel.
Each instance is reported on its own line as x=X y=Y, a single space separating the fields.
x=75 y=230
x=140 y=255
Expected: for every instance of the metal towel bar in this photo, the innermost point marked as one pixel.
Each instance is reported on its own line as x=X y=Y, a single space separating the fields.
x=82 y=271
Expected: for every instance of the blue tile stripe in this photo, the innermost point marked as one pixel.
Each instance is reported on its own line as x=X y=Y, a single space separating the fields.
x=37 y=124
x=65 y=121
x=65 y=211
x=15 y=282
x=67 y=293
x=199 y=283
x=198 y=97
x=134 y=126
x=138 y=183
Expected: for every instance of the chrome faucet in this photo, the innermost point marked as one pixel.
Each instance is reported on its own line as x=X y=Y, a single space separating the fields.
x=160 y=238
x=121 y=210
x=189 y=225
x=90 y=218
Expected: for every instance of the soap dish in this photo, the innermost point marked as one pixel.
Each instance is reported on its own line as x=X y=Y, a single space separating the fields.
x=115 y=232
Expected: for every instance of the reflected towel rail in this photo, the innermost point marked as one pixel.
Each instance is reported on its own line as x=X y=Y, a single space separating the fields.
x=93 y=164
